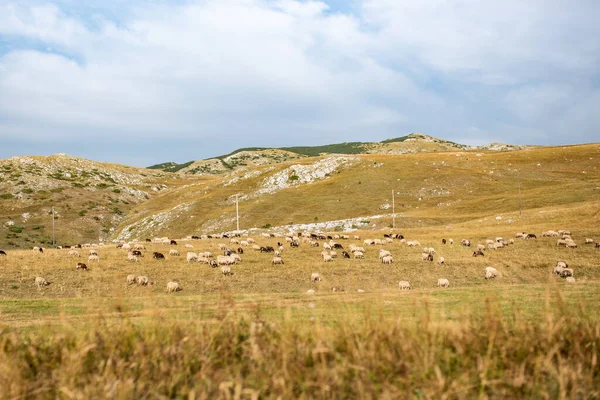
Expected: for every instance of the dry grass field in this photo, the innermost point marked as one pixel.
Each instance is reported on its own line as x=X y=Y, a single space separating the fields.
x=259 y=334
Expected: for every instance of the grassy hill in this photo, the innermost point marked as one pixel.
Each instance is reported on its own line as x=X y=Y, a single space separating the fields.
x=431 y=189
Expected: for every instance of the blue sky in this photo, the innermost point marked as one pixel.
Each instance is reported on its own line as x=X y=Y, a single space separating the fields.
x=142 y=82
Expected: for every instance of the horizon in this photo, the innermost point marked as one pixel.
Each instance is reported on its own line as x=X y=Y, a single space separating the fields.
x=142 y=83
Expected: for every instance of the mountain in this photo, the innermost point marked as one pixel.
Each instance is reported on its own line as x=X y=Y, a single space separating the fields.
x=435 y=184
x=89 y=198
x=410 y=144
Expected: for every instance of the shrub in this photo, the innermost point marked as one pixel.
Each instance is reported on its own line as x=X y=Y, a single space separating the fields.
x=57 y=190
x=16 y=228
x=27 y=191
x=267 y=226
x=101 y=185
x=294 y=178
x=6 y=196
x=116 y=191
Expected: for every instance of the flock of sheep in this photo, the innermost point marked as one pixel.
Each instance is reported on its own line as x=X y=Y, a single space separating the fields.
x=231 y=254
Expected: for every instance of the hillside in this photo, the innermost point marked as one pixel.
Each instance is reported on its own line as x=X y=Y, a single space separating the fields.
x=431 y=189
x=89 y=198
x=410 y=144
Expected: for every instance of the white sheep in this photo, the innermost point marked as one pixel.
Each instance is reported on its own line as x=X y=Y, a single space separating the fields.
x=315 y=277
x=74 y=253
x=139 y=246
x=94 y=258
x=142 y=280
x=491 y=273
x=130 y=279
x=187 y=246
x=443 y=282
x=566 y=272
x=404 y=285
x=39 y=281
x=441 y=260
x=131 y=257
x=333 y=254
x=359 y=254
x=173 y=287
x=310 y=291
x=570 y=279
x=226 y=270
x=413 y=243
x=244 y=243
x=93 y=252
x=277 y=260
x=384 y=253
x=482 y=247
x=174 y=252
x=451 y=241
x=387 y=260
x=326 y=246
x=327 y=258
x=191 y=257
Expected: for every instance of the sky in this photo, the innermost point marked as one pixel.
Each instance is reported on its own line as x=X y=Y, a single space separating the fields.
x=141 y=82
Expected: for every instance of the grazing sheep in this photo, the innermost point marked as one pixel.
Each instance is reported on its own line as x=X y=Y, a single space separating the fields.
x=142 y=280
x=174 y=252
x=561 y=242
x=93 y=252
x=571 y=244
x=326 y=246
x=429 y=250
x=443 y=282
x=404 y=285
x=491 y=246
x=125 y=246
x=2 y=253
x=191 y=257
x=74 y=253
x=570 y=279
x=491 y=273
x=38 y=249
x=333 y=254
x=187 y=246
x=511 y=241
x=225 y=260
x=226 y=270
x=277 y=260
x=413 y=243
x=387 y=260
x=337 y=289
x=441 y=260
x=130 y=279
x=173 y=242
x=451 y=241
x=359 y=254
x=240 y=250
x=94 y=258
x=478 y=253
x=310 y=291
x=427 y=257
x=489 y=241
x=205 y=254
x=589 y=241
x=327 y=258
x=158 y=256
x=315 y=277
x=131 y=257
x=39 y=281
x=81 y=266
x=139 y=246
x=173 y=287
x=482 y=247
x=345 y=254
x=597 y=245
x=360 y=290
x=531 y=236
x=443 y=241
x=566 y=272
x=465 y=242
x=384 y=253
x=522 y=235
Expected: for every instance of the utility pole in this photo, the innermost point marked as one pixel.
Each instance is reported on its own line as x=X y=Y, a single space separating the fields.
x=520 y=207
x=393 y=211
x=237 y=213
x=53 y=236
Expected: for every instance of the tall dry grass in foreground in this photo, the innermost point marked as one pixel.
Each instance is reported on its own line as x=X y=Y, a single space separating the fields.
x=492 y=355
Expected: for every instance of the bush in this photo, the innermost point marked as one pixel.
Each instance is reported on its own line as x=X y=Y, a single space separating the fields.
x=57 y=190
x=16 y=228
x=102 y=186
x=267 y=226
x=27 y=191
x=82 y=213
x=116 y=191
x=6 y=196
x=294 y=178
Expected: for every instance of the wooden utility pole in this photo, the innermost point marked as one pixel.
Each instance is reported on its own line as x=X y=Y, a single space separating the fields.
x=393 y=211
x=53 y=235
x=520 y=207
x=237 y=212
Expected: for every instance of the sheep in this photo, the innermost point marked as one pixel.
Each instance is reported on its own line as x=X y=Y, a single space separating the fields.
x=597 y=245
x=39 y=281
x=490 y=246
x=429 y=250
x=360 y=290
x=589 y=241
x=74 y=253
x=561 y=242
x=173 y=242
x=327 y=258
x=125 y=246
x=491 y=273
x=131 y=257
x=236 y=258
x=337 y=289
x=511 y=241
x=226 y=270
x=478 y=253
x=94 y=258
x=384 y=253
x=205 y=254
x=404 y=285
x=174 y=252
x=2 y=253
x=359 y=254
x=566 y=272
x=315 y=277
x=244 y=243
x=130 y=279
x=444 y=241
x=345 y=254
x=489 y=241
x=426 y=257
x=482 y=247
x=139 y=246
x=137 y=253
x=250 y=240
x=465 y=242
x=531 y=236
x=443 y=282
x=173 y=287
x=333 y=254
x=570 y=279
x=142 y=280
x=326 y=246
x=158 y=256
x=277 y=260
x=38 y=249
x=240 y=250
x=310 y=291
x=93 y=252
x=314 y=243
x=571 y=244
x=368 y=242
x=277 y=253
x=387 y=260
x=234 y=241
x=187 y=246
x=441 y=260
x=413 y=243
x=222 y=246
x=280 y=248
x=191 y=257
x=356 y=237
x=451 y=241
x=225 y=260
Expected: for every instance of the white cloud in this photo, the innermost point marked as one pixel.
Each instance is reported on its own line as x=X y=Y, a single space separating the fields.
x=261 y=72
